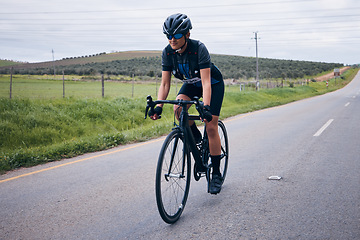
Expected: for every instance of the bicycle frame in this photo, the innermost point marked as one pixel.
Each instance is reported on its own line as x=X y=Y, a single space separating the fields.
x=184 y=125
x=191 y=144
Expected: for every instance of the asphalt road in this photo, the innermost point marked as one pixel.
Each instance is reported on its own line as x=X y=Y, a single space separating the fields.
x=312 y=144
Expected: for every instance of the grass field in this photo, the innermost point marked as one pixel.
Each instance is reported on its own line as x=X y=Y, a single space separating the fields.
x=38 y=87
x=39 y=126
x=45 y=87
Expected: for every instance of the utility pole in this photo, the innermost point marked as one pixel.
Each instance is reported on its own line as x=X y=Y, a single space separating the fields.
x=257 y=62
x=63 y=83
x=103 y=85
x=11 y=73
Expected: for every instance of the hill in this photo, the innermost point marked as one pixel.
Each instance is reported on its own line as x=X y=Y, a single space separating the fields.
x=95 y=58
x=148 y=63
x=6 y=63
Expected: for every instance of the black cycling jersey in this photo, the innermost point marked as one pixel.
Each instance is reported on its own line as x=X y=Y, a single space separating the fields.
x=186 y=66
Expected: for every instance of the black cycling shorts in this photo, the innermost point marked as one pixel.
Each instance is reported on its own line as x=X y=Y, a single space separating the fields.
x=217 y=95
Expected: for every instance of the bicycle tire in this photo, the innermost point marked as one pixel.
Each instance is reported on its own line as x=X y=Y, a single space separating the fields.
x=224 y=148
x=172 y=189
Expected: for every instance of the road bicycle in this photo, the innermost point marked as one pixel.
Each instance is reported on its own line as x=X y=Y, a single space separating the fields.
x=173 y=172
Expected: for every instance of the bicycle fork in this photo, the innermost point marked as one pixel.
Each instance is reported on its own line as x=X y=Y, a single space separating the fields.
x=169 y=174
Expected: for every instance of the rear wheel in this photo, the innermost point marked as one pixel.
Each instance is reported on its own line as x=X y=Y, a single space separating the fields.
x=224 y=148
x=172 y=177
x=224 y=153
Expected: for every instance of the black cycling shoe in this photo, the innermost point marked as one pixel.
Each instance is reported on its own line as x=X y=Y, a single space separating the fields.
x=215 y=184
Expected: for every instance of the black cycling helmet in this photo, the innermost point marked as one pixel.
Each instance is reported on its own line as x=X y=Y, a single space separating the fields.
x=177 y=23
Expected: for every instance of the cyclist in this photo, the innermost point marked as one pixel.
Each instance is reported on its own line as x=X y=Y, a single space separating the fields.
x=189 y=61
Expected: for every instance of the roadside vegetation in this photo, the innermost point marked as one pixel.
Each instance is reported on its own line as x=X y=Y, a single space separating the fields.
x=39 y=124
x=35 y=131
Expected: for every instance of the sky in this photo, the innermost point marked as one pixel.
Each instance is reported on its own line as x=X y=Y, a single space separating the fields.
x=310 y=30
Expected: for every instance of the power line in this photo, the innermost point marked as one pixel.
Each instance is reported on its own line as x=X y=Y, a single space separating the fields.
x=198 y=15
x=348 y=27
x=146 y=20
x=167 y=8
x=200 y=22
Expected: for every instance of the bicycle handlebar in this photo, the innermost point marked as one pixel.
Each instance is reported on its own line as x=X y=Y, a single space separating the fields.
x=198 y=104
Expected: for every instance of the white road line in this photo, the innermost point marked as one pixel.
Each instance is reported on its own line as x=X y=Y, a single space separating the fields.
x=347 y=104
x=318 y=133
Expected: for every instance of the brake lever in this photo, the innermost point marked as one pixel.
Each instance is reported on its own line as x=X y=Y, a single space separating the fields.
x=146 y=111
x=148 y=105
x=199 y=107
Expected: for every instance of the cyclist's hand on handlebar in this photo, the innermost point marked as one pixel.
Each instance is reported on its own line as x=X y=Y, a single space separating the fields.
x=155 y=113
x=207 y=113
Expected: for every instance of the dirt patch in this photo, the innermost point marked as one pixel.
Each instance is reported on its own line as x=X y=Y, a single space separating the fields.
x=330 y=75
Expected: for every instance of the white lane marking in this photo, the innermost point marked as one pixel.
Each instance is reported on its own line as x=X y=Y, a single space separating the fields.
x=347 y=104
x=318 y=133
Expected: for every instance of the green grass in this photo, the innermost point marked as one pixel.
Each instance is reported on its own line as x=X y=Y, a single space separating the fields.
x=35 y=131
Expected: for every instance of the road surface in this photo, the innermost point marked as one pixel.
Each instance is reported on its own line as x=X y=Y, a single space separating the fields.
x=312 y=144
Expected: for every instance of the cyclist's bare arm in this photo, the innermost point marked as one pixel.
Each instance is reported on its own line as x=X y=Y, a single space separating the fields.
x=205 y=75
x=163 y=89
x=164 y=86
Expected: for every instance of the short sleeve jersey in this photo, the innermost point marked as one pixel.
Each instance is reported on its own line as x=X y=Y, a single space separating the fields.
x=187 y=66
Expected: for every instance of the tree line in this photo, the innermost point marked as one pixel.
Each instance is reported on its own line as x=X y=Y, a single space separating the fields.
x=235 y=67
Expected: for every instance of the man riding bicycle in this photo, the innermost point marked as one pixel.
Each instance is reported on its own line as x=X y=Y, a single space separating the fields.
x=189 y=61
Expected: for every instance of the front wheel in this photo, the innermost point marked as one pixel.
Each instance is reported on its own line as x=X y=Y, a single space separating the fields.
x=172 y=177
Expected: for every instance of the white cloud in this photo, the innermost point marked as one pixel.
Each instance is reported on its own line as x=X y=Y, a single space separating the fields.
x=321 y=30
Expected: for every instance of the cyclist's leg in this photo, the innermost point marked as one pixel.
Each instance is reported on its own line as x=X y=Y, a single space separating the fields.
x=213 y=135
x=214 y=144
x=177 y=108
x=217 y=95
x=215 y=154
x=187 y=92
x=212 y=129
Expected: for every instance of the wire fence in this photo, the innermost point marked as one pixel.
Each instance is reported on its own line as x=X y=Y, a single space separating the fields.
x=26 y=86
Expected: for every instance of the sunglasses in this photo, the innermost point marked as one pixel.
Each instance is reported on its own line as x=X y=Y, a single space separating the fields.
x=176 y=36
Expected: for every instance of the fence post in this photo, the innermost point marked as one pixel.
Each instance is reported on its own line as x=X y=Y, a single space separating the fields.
x=102 y=84
x=63 y=84
x=132 y=92
x=11 y=73
x=242 y=87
